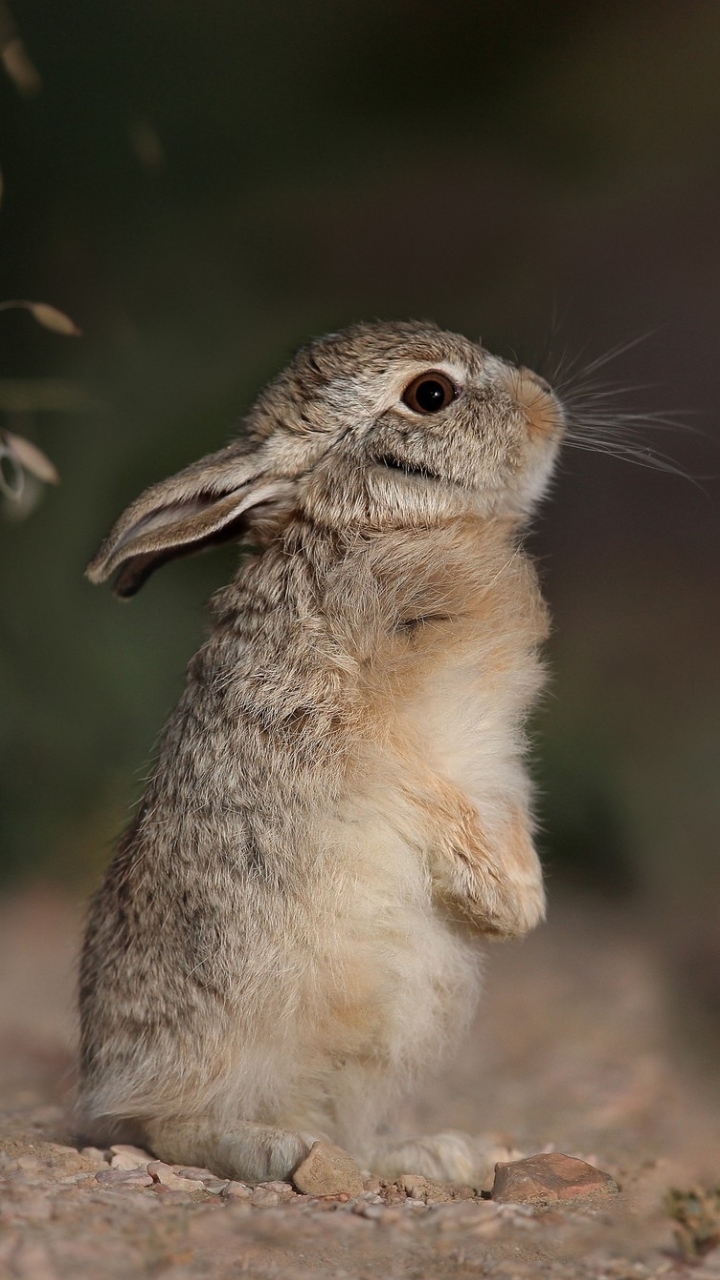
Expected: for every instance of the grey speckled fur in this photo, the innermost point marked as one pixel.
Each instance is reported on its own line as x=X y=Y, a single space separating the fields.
x=339 y=811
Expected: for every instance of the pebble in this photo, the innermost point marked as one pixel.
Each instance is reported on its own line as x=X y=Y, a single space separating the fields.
x=237 y=1191
x=371 y=1183
x=365 y=1210
x=328 y=1170
x=117 y=1177
x=422 y=1189
x=94 y=1153
x=167 y=1177
x=549 y=1176
x=264 y=1198
x=126 y=1157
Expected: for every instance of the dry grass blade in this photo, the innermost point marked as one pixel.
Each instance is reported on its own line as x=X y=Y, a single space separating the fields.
x=31 y=458
x=50 y=318
x=46 y=315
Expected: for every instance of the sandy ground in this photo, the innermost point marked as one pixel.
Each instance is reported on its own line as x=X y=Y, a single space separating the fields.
x=573 y=1051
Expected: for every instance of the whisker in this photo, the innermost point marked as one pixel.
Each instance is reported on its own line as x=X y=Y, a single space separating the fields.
x=619 y=350
x=598 y=421
x=639 y=454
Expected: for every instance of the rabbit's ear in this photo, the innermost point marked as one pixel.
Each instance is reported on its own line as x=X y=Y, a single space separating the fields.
x=203 y=505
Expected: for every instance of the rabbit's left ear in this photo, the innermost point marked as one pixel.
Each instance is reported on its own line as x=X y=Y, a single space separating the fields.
x=205 y=504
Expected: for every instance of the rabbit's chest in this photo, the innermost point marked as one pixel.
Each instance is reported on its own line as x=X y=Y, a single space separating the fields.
x=461 y=709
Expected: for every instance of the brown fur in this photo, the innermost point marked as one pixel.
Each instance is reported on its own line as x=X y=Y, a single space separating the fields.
x=339 y=809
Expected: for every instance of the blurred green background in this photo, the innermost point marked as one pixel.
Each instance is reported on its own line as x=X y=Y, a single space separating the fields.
x=203 y=186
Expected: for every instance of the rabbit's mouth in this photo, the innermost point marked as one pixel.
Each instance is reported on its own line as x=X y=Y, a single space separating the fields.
x=419 y=473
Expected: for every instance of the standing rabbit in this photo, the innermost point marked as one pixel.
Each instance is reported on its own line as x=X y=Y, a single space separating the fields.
x=339 y=812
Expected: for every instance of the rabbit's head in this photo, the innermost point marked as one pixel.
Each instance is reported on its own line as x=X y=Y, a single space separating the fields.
x=379 y=426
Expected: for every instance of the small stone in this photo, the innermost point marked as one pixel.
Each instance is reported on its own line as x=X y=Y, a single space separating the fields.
x=94 y=1153
x=117 y=1177
x=283 y=1190
x=126 y=1160
x=546 y=1177
x=419 y=1188
x=264 y=1198
x=392 y=1194
x=237 y=1191
x=372 y=1184
x=130 y=1157
x=372 y=1211
x=198 y=1175
x=167 y=1177
x=326 y=1171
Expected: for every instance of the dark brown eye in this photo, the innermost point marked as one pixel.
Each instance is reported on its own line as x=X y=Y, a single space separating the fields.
x=429 y=393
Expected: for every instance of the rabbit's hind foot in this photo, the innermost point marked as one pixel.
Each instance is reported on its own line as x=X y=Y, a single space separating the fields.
x=244 y=1151
x=442 y=1157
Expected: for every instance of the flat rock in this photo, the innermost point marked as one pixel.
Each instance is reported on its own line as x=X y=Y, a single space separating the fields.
x=553 y=1176
x=328 y=1171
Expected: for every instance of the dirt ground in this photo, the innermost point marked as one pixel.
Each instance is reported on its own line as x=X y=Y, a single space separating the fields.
x=573 y=1050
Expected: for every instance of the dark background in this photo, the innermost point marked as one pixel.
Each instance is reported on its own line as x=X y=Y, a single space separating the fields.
x=201 y=186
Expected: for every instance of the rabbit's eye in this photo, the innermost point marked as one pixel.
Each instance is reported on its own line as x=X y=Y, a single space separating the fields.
x=429 y=393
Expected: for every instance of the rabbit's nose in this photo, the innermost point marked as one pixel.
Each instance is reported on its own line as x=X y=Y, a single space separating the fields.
x=537 y=400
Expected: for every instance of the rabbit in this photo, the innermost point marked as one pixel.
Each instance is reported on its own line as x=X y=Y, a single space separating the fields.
x=290 y=930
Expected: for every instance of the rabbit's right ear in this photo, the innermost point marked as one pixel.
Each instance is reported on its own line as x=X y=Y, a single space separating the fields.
x=206 y=503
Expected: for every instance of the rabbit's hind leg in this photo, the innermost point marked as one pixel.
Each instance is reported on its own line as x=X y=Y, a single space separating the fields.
x=442 y=1157
x=243 y=1150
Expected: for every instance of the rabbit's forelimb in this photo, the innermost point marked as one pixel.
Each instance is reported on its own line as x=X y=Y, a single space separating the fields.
x=487 y=872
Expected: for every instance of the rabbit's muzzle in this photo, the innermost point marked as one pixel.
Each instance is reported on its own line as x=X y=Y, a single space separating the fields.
x=535 y=397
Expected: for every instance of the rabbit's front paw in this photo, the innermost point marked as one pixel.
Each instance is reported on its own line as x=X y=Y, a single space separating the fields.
x=497 y=884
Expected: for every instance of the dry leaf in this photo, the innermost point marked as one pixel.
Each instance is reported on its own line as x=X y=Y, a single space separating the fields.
x=31 y=458
x=50 y=318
